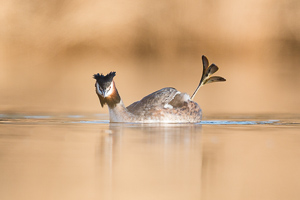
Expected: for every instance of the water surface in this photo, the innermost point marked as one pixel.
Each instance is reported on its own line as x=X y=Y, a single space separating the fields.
x=85 y=157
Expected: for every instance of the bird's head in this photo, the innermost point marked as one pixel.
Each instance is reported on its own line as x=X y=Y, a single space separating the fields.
x=106 y=89
x=104 y=84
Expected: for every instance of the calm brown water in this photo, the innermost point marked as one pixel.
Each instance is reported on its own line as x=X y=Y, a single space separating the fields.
x=85 y=157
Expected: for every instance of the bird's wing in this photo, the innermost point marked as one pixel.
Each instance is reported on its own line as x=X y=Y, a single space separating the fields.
x=154 y=100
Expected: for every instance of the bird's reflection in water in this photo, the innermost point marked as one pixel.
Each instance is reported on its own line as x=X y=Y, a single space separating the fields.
x=157 y=133
x=156 y=159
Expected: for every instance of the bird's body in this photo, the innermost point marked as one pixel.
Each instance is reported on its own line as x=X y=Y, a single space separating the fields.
x=166 y=105
x=159 y=107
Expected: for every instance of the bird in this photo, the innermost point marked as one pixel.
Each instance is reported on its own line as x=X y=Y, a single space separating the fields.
x=166 y=105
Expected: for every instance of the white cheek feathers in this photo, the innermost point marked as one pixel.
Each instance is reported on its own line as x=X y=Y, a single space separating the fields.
x=109 y=90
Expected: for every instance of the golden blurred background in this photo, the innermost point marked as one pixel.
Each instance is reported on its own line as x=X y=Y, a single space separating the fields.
x=49 y=51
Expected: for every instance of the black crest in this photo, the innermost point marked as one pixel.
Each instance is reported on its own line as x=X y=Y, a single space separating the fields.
x=104 y=81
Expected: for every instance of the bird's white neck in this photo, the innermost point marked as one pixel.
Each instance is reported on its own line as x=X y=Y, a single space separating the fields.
x=117 y=110
x=119 y=113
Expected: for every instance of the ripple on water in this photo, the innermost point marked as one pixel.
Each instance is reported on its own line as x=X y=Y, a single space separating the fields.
x=103 y=119
x=226 y=122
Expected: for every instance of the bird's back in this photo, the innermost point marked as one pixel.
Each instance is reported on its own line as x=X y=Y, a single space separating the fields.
x=167 y=104
x=155 y=100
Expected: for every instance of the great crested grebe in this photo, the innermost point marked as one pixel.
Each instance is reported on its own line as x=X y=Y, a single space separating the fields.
x=166 y=105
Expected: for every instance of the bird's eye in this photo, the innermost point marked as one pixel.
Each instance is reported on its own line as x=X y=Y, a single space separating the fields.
x=109 y=88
